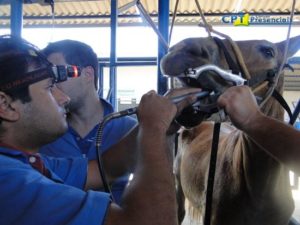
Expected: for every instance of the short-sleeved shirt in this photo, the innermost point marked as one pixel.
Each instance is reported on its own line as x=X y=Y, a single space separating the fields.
x=72 y=145
x=27 y=197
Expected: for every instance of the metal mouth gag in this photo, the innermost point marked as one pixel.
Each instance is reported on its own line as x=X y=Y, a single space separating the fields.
x=211 y=79
x=195 y=73
x=215 y=81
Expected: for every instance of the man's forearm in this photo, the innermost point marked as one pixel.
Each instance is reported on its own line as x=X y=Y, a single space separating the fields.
x=278 y=139
x=152 y=190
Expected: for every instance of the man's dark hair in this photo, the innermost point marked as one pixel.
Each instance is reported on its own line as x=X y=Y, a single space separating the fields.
x=75 y=53
x=16 y=56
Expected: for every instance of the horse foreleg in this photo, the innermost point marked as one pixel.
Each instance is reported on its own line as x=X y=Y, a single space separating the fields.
x=179 y=192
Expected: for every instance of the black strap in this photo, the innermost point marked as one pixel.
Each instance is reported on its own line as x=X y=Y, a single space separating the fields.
x=176 y=139
x=211 y=173
x=283 y=103
x=295 y=114
x=233 y=66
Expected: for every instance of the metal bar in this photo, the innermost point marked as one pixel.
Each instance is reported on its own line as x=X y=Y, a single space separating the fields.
x=101 y=80
x=108 y=64
x=16 y=20
x=163 y=27
x=130 y=59
x=148 y=20
x=127 y=6
x=151 y=15
x=113 y=56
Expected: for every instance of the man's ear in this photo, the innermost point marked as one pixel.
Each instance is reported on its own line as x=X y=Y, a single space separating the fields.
x=8 y=111
x=89 y=73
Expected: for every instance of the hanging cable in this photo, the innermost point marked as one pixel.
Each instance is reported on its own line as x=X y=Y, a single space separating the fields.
x=276 y=78
x=235 y=47
x=206 y=25
x=173 y=20
x=127 y=112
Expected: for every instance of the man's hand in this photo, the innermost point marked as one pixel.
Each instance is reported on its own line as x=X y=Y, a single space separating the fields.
x=156 y=111
x=174 y=127
x=240 y=104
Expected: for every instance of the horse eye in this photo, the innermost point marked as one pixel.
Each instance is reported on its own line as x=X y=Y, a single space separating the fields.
x=268 y=52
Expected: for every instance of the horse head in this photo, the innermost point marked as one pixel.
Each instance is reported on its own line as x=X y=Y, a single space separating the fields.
x=259 y=56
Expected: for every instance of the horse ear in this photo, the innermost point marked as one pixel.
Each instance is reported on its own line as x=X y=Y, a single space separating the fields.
x=294 y=46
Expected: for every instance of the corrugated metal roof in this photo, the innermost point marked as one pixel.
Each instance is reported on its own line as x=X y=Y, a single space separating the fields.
x=97 y=12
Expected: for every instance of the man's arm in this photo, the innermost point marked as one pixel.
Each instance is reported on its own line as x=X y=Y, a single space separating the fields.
x=278 y=139
x=150 y=197
x=121 y=158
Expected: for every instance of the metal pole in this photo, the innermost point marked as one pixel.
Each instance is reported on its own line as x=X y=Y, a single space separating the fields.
x=113 y=57
x=163 y=26
x=16 y=19
x=101 y=81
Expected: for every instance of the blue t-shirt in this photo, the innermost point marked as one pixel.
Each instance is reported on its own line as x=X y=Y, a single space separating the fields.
x=72 y=145
x=28 y=197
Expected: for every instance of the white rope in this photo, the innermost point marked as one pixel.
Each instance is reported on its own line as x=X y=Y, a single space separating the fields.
x=235 y=47
x=173 y=20
x=271 y=89
x=206 y=25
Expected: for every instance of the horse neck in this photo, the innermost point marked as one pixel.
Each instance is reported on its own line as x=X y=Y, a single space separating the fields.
x=255 y=164
x=252 y=155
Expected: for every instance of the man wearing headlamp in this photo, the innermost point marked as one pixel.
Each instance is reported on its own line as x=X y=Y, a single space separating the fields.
x=42 y=190
x=86 y=111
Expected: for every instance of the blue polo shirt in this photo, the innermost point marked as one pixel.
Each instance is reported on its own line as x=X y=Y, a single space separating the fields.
x=72 y=145
x=27 y=197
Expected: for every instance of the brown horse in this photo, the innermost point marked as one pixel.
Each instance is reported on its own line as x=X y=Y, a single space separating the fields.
x=251 y=187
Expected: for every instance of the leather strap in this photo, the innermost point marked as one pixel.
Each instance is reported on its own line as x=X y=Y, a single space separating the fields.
x=282 y=102
x=233 y=66
x=211 y=173
x=295 y=114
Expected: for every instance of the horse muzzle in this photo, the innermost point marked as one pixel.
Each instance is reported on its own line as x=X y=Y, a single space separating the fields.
x=215 y=81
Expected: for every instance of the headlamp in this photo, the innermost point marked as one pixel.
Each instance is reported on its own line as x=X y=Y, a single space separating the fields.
x=61 y=73
x=57 y=73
